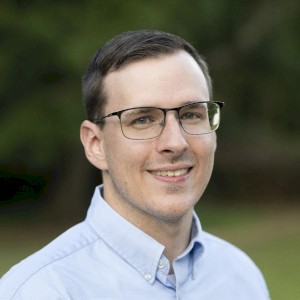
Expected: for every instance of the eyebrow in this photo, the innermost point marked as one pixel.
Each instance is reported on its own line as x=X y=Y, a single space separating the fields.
x=138 y=110
x=198 y=104
x=145 y=109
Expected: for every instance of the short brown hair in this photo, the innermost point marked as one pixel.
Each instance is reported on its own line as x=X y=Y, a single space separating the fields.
x=123 y=49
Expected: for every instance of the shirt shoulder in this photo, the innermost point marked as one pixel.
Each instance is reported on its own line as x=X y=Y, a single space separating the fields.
x=71 y=242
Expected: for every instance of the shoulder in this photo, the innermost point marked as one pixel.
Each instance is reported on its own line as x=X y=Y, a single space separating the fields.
x=74 y=242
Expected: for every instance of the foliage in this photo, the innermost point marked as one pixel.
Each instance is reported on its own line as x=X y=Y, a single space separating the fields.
x=252 y=48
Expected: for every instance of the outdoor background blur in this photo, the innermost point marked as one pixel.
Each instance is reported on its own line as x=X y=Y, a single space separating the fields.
x=252 y=48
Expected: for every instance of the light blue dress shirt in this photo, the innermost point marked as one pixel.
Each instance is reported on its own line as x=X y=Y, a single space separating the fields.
x=106 y=257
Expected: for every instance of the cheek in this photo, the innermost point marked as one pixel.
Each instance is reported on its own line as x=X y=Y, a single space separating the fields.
x=212 y=142
x=205 y=153
x=206 y=146
x=125 y=156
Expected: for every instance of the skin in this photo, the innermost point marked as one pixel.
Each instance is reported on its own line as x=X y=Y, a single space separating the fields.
x=133 y=171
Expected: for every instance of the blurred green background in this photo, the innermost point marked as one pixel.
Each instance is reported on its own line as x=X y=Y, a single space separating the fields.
x=252 y=48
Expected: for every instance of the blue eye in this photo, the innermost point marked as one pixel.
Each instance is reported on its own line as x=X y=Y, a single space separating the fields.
x=141 y=121
x=190 y=116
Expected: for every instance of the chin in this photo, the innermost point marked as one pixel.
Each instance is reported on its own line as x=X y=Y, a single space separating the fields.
x=171 y=213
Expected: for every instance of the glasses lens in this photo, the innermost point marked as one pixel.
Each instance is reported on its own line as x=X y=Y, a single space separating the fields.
x=200 y=118
x=147 y=122
x=142 y=123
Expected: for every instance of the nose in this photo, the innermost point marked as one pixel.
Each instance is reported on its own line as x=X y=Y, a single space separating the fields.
x=172 y=138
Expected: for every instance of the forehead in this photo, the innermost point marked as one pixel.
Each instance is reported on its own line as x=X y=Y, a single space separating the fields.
x=166 y=81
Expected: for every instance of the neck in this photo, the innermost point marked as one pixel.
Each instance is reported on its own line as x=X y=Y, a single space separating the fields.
x=174 y=234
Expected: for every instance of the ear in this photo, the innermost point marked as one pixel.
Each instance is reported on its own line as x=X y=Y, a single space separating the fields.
x=92 y=140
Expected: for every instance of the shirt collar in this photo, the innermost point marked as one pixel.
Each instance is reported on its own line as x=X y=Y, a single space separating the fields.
x=140 y=250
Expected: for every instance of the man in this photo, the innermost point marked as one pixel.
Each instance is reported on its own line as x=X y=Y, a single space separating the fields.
x=151 y=131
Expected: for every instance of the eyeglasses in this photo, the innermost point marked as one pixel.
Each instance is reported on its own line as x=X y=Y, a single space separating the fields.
x=142 y=123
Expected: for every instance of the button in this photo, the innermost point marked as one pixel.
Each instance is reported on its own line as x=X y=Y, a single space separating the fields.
x=161 y=264
x=148 y=276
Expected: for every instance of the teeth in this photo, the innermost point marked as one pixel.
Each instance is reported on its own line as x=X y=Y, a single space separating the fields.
x=171 y=173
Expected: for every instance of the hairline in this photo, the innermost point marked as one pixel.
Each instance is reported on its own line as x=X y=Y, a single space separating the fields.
x=124 y=49
x=116 y=68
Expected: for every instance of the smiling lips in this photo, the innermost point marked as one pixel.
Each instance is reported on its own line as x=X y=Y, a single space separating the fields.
x=167 y=173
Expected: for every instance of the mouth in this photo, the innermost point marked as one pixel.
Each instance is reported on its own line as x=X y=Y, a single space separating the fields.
x=171 y=173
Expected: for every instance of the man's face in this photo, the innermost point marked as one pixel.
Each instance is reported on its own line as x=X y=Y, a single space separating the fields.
x=160 y=178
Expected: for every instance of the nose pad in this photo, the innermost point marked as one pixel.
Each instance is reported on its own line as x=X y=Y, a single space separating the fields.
x=172 y=119
x=162 y=123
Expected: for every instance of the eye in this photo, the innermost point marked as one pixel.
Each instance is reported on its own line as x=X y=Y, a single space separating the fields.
x=141 y=118
x=193 y=113
x=141 y=121
x=190 y=116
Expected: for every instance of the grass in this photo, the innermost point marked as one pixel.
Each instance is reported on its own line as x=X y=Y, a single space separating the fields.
x=270 y=235
x=22 y=235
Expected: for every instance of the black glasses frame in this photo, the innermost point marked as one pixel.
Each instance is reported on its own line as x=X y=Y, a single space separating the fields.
x=164 y=110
